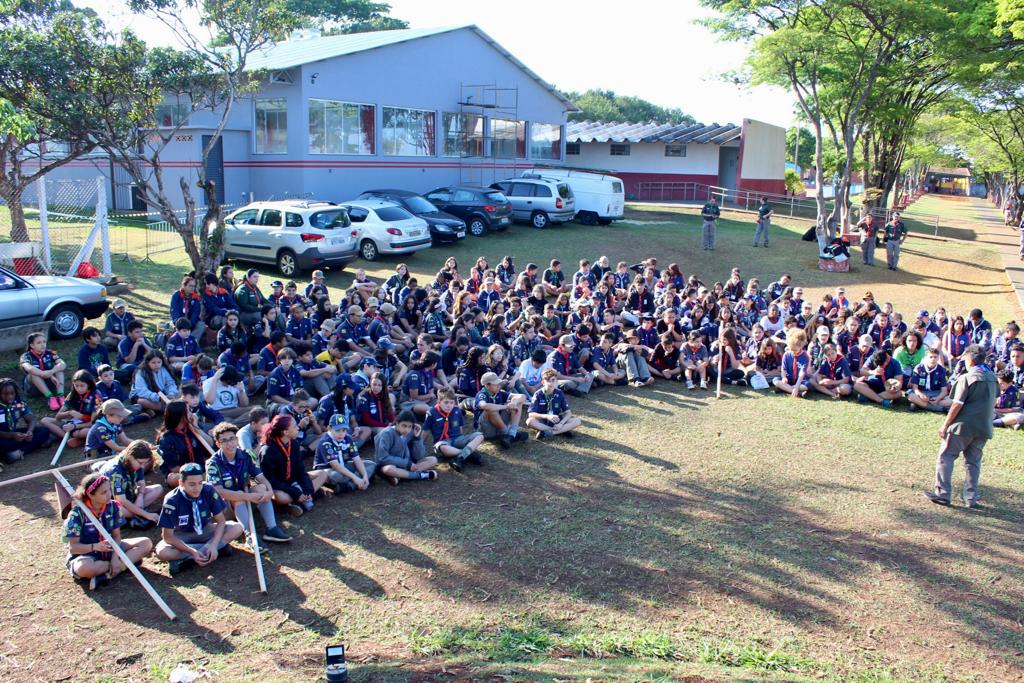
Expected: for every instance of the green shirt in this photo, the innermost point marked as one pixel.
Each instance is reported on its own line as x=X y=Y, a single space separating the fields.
x=764 y=210
x=908 y=360
x=710 y=211
x=895 y=230
x=977 y=390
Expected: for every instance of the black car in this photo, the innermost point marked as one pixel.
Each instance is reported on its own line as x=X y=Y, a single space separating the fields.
x=482 y=208
x=444 y=227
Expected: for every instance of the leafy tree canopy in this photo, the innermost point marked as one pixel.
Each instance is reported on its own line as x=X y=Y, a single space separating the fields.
x=605 y=105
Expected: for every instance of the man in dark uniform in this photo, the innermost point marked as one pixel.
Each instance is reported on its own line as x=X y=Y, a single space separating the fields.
x=967 y=427
x=868 y=234
x=710 y=214
x=895 y=233
x=764 y=219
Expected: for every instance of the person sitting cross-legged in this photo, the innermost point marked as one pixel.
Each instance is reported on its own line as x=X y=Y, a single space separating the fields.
x=400 y=452
x=549 y=411
x=338 y=455
x=444 y=422
x=496 y=413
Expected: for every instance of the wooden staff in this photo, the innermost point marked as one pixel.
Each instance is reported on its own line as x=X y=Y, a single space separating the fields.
x=252 y=520
x=60 y=448
x=46 y=473
x=721 y=359
x=61 y=481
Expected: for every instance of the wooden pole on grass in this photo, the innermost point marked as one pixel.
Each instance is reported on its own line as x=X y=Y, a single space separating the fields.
x=60 y=449
x=63 y=483
x=46 y=473
x=721 y=360
x=253 y=538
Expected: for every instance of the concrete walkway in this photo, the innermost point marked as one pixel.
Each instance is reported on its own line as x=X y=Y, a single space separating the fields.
x=1008 y=242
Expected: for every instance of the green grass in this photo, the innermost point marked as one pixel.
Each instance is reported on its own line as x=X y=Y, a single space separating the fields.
x=679 y=537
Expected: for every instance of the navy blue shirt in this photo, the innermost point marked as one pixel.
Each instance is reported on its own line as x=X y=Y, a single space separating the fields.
x=444 y=427
x=329 y=451
x=555 y=404
x=284 y=384
x=100 y=432
x=180 y=514
x=90 y=358
x=484 y=396
x=233 y=475
x=178 y=347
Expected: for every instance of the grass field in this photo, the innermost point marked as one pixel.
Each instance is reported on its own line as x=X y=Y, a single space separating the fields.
x=679 y=538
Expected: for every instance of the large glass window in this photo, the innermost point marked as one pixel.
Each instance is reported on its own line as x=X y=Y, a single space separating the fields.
x=545 y=141
x=272 y=126
x=408 y=132
x=169 y=115
x=508 y=139
x=341 y=127
x=463 y=134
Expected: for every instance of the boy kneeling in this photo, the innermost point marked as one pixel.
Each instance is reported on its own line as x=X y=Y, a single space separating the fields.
x=445 y=420
x=194 y=529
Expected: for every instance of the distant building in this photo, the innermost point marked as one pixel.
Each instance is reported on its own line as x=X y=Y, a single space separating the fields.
x=955 y=181
x=656 y=160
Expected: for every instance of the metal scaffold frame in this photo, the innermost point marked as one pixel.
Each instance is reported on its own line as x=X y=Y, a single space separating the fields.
x=483 y=157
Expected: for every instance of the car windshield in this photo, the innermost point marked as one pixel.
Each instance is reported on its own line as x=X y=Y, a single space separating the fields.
x=392 y=213
x=563 y=191
x=496 y=197
x=420 y=204
x=328 y=220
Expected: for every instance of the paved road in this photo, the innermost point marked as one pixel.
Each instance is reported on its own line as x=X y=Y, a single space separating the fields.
x=1008 y=242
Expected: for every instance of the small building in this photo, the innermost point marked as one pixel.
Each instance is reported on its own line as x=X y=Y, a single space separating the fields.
x=665 y=161
x=954 y=181
x=336 y=115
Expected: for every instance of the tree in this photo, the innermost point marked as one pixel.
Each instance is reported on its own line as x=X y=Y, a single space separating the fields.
x=806 y=157
x=794 y=185
x=605 y=105
x=47 y=121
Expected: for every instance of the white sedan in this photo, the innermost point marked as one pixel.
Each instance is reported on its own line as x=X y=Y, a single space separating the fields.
x=386 y=228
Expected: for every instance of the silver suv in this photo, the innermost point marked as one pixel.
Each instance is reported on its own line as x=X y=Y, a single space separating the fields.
x=295 y=235
x=539 y=201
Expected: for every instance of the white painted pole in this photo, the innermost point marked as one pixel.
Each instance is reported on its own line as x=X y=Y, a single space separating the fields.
x=254 y=539
x=44 y=221
x=101 y=218
x=117 y=548
x=60 y=449
x=721 y=360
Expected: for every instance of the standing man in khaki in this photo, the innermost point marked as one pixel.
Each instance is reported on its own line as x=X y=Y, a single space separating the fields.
x=868 y=234
x=710 y=214
x=895 y=233
x=967 y=427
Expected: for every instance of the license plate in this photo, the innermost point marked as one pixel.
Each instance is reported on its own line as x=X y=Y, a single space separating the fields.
x=416 y=233
x=460 y=234
x=338 y=240
x=504 y=219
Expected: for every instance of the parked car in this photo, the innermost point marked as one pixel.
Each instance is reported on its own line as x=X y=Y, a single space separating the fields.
x=444 y=227
x=482 y=208
x=295 y=235
x=539 y=201
x=599 y=198
x=386 y=228
x=67 y=302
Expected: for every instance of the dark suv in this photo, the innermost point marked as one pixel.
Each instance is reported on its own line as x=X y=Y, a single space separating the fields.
x=444 y=227
x=482 y=208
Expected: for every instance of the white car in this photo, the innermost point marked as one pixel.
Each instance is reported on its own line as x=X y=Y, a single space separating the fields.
x=386 y=228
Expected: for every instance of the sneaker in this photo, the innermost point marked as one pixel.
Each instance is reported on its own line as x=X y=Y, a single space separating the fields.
x=13 y=456
x=649 y=381
x=53 y=403
x=275 y=535
x=431 y=475
x=520 y=437
x=457 y=464
x=689 y=384
x=886 y=403
x=249 y=544
x=504 y=441
x=541 y=435
x=568 y=435
x=935 y=498
x=139 y=523
x=636 y=383
x=295 y=510
x=861 y=398
x=740 y=382
x=307 y=506
x=178 y=566
x=576 y=393
x=703 y=384
x=476 y=458
x=99 y=581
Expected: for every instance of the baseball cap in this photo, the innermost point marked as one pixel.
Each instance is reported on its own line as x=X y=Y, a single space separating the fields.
x=115 y=407
x=866 y=339
x=489 y=378
x=387 y=308
x=566 y=340
x=338 y=421
x=373 y=302
x=385 y=344
x=318 y=273
x=923 y=313
x=345 y=380
x=823 y=328
x=119 y=303
x=869 y=295
x=354 y=309
x=277 y=283
x=370 y=361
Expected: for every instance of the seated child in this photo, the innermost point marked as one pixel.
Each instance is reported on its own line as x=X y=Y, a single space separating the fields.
x=496 y=413
x=127 y=475
x=549 y=411
x=44 y=371
x=90 y=556
x=338 y=456
x=796 y=365
x=400 y=452
x=281 y=462
x=15 y=441
x=77 y=411
x=108 y=387
x=106 y=435
x=929 y=384
x=1008 y=409
x=444 y=422
x=93 y=353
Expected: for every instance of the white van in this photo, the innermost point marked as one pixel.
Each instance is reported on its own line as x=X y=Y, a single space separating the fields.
x=599 y=198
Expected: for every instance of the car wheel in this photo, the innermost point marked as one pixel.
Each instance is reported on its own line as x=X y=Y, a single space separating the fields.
x=477 y=227
x=368 y=250
x=539 y=220
x=604 y=221
x=287 y=264
x=586 y=218
x=67 y=321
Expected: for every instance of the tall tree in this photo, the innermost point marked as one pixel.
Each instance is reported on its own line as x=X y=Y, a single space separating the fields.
x=61 y=75
x=605 y=105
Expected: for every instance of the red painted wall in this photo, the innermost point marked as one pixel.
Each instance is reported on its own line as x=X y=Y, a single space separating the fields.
x=766 y=186
x=632 y=181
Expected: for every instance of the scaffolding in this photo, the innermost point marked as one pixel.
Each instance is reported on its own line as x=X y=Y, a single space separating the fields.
x=491 y=138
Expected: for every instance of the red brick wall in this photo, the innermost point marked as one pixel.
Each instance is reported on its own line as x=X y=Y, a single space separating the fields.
x=766 y=186
x=632 y=181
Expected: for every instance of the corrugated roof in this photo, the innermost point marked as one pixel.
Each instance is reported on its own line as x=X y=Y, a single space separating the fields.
x=954 y=172
x=293 y=53
x=597 y=131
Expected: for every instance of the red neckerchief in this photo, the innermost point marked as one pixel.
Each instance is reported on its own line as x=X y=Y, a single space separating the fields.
x=183 y=431
x=272 y=350
x=287 y=450
x=444 y=416
x=186 y=299
x=83 y=401
x=833 y=365
x=40 y=356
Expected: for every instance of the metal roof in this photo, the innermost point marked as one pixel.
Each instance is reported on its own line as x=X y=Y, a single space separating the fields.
x=293 y=53
x=953 y=172
x=598 y=131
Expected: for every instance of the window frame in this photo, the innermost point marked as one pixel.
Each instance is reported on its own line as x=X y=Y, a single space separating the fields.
x=624 y=149
x=256 y=129
x=517 y=128
x=560 y=130
x=481 y=143
x=373 y=138
x=569 y=146
x=383 y=132
x=680 y=145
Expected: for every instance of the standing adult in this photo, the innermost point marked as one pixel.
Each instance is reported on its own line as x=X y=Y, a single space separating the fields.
x=710 y=214
x=868 y=234
x=895 y=233
x=764 y=219
x=967 y=427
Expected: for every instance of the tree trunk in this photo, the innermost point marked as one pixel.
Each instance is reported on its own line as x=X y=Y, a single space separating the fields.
x=211 y=241
x=19 y=230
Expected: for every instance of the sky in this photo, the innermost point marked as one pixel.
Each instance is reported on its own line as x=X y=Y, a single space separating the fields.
x=657 y=53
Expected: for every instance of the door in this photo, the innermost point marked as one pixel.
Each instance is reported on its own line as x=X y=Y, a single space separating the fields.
x=238 y=233
x=215 y=166
x=442 y=199
x=521 y=196
x=262 y=237
x=19 y=303
x=728 y=161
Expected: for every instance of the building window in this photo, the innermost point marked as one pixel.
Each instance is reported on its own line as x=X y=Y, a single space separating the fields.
x=508 y=139
x=620 y=149
x=272 y=126
x=545 y=141
x=572 y=149
x=675 y=150
x=341 y=127
x=463 y=134
x=170 y=115
x=408 y=132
